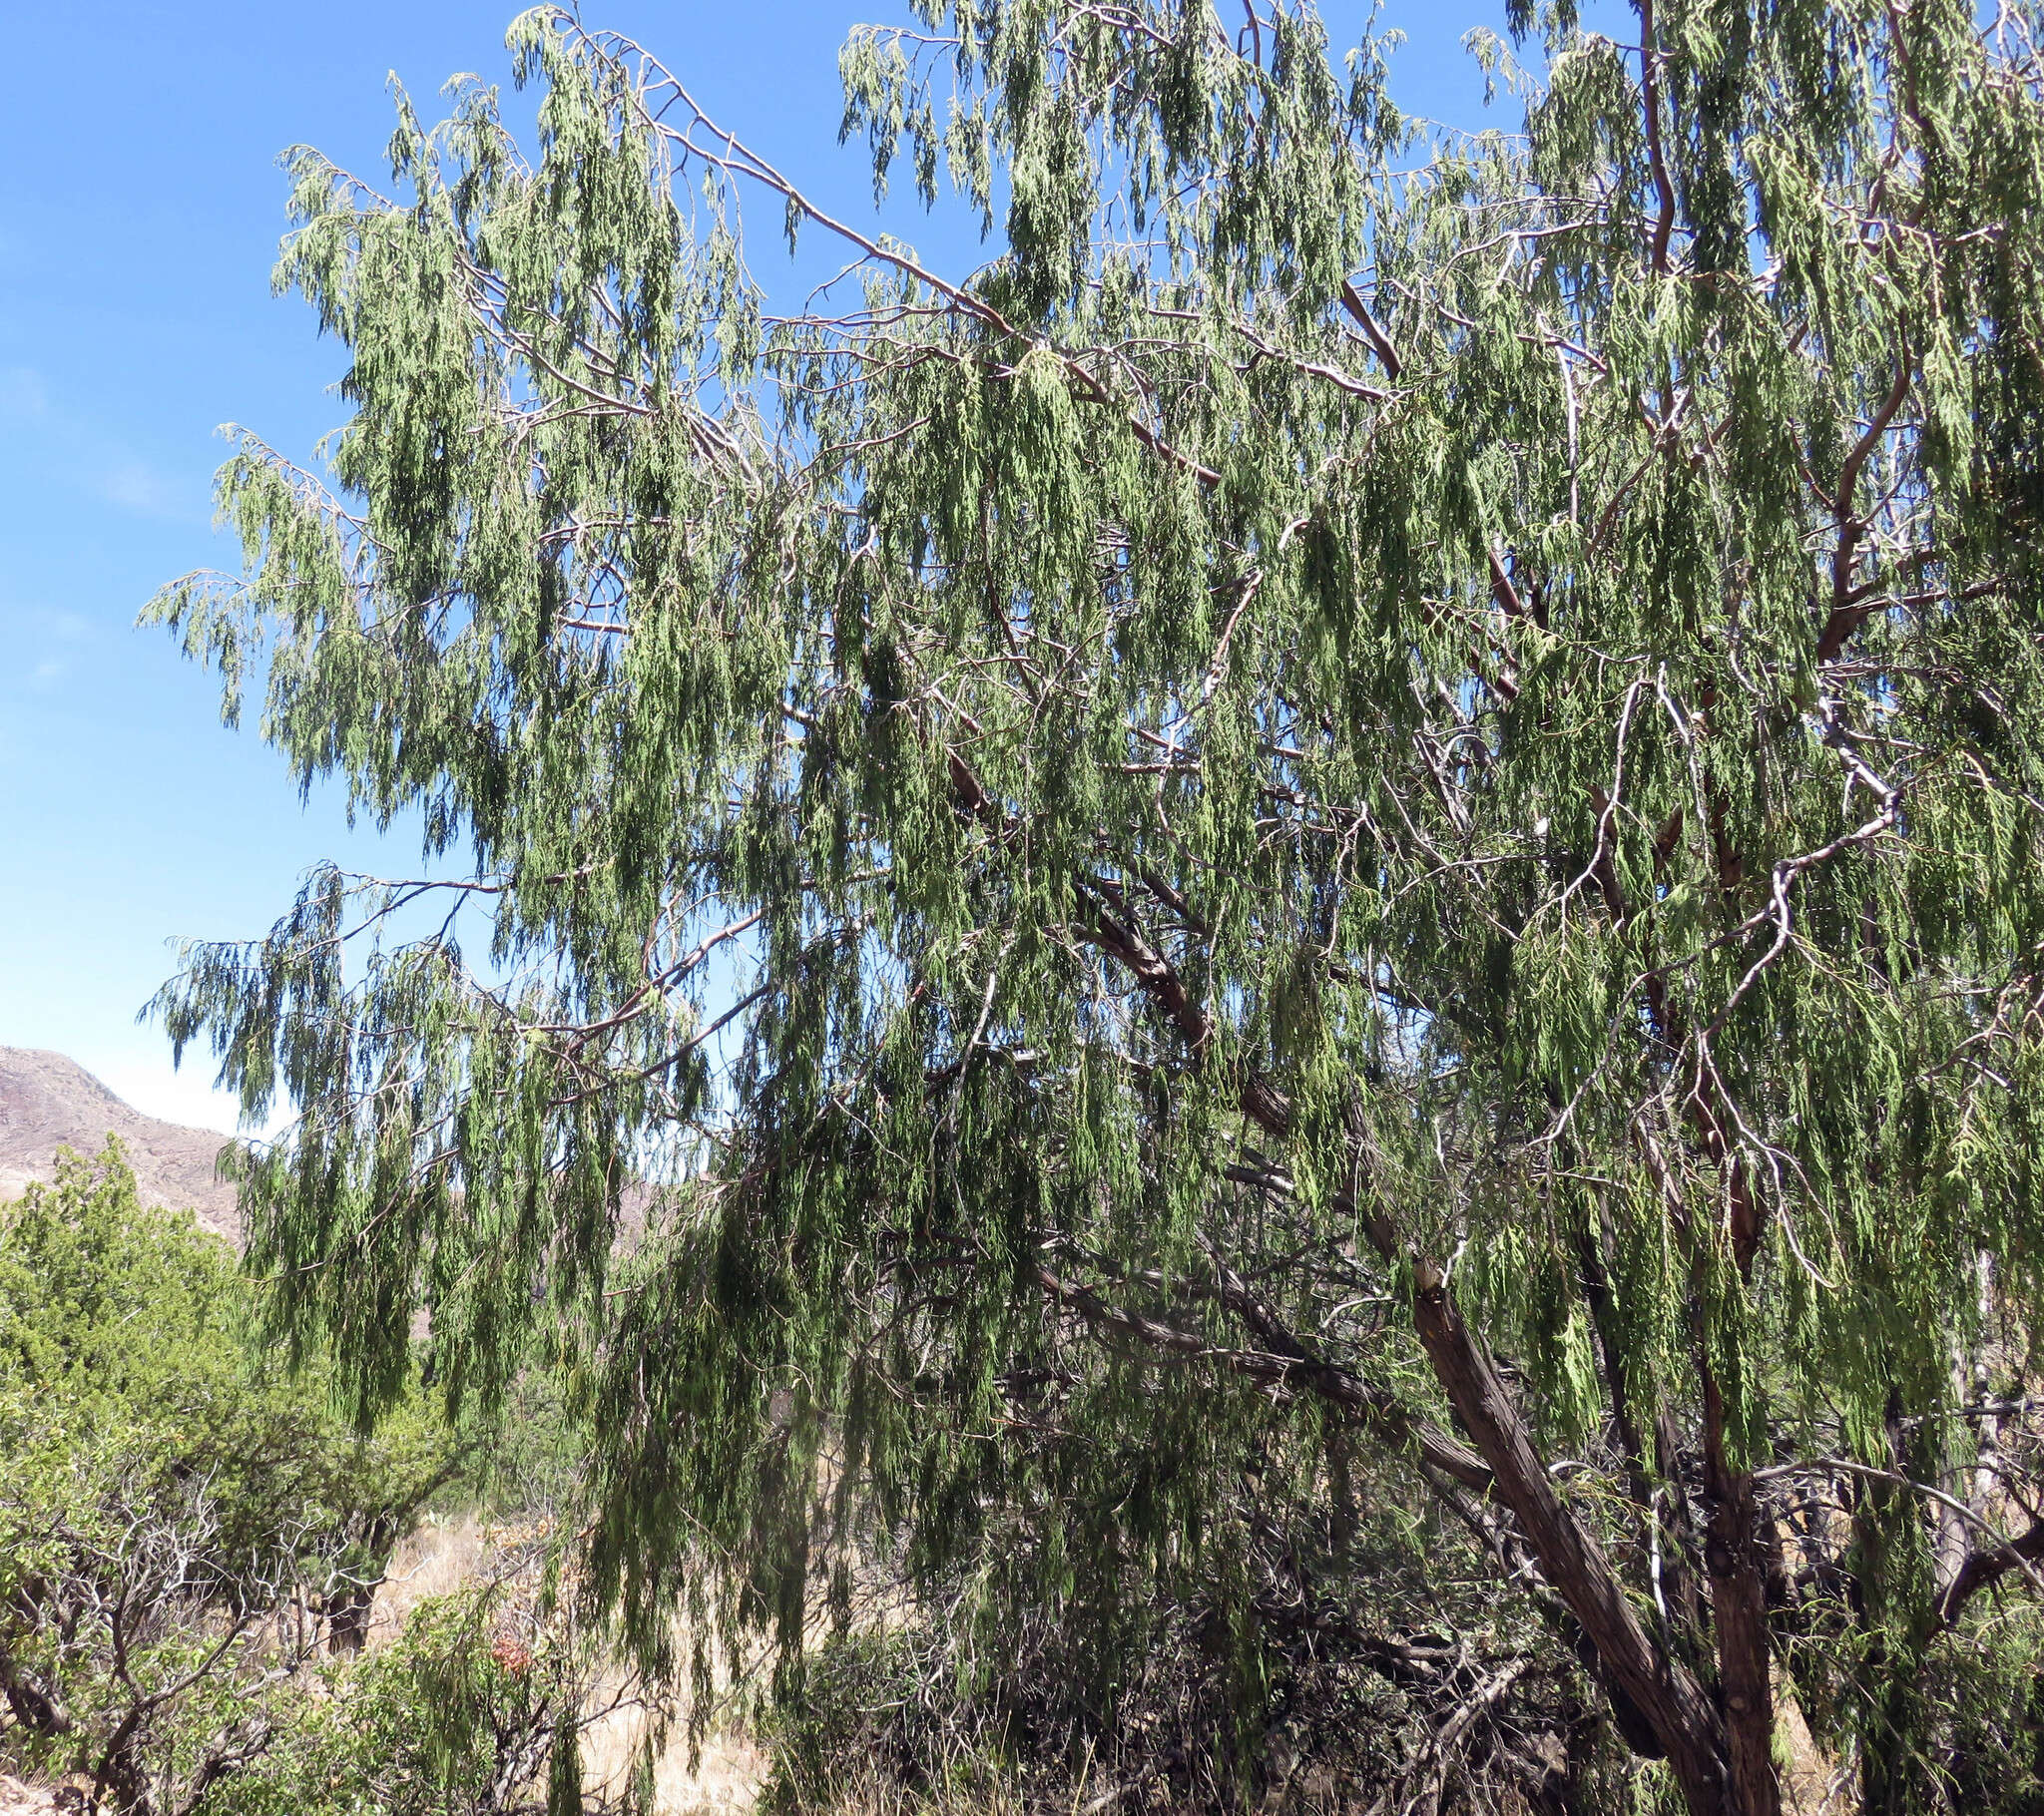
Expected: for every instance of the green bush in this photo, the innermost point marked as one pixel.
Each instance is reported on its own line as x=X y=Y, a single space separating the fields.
x=181 y=1530
x=474 y=1709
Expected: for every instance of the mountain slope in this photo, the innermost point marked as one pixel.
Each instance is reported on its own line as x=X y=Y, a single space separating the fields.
x=48 y=1101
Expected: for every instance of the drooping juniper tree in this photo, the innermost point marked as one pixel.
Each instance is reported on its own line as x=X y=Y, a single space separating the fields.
x=1376 y=789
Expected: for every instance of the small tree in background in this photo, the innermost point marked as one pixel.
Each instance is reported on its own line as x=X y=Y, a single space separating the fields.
x=1333 y=805
x=178 y=1537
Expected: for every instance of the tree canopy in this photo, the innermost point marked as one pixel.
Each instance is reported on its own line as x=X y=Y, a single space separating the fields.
x=1381 y=788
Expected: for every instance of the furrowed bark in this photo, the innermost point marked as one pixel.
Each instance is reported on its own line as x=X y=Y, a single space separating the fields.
x=1737 y=1568
x=1989 y=1565
x=1659 y=1686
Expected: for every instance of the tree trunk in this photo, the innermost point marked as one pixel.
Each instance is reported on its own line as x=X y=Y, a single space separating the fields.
x=1659 y=1687
x=1737 y=1568
x=121 y=1784
x=348 y=1620
x=39 y=1710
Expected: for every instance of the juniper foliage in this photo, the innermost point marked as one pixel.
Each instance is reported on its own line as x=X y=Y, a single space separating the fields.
x=1376 y=775
x=179 y=1537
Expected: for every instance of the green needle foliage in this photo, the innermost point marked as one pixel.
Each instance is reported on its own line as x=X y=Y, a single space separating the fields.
x=178 y=1534
x=1378 y=790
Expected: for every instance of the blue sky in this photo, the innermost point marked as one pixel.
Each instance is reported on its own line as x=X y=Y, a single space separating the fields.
x=142 y=211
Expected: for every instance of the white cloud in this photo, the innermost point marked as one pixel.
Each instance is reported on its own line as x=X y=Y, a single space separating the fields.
x=139 y=487
x=86 y=454
x=43 y=645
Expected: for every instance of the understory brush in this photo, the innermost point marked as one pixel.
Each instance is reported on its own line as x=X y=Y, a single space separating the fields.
x=1382 y=1678
x=191 y=1545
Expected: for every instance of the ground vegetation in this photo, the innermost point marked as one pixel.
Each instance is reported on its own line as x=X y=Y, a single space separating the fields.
x=191 y=1545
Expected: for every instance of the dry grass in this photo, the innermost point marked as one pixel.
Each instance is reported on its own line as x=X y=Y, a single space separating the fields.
x=18 y=1798
x=1812 y=1783
x=862 y=1792
x=436 y=1559
x=445 y=1554
x=725 y=1780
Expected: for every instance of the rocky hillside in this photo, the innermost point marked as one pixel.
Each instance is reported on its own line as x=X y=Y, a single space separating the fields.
x=48 y=1101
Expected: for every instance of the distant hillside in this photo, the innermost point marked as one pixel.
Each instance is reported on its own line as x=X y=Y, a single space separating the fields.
x=48 y=1101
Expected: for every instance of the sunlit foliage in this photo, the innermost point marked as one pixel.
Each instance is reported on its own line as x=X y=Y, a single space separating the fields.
x=1375 y=776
